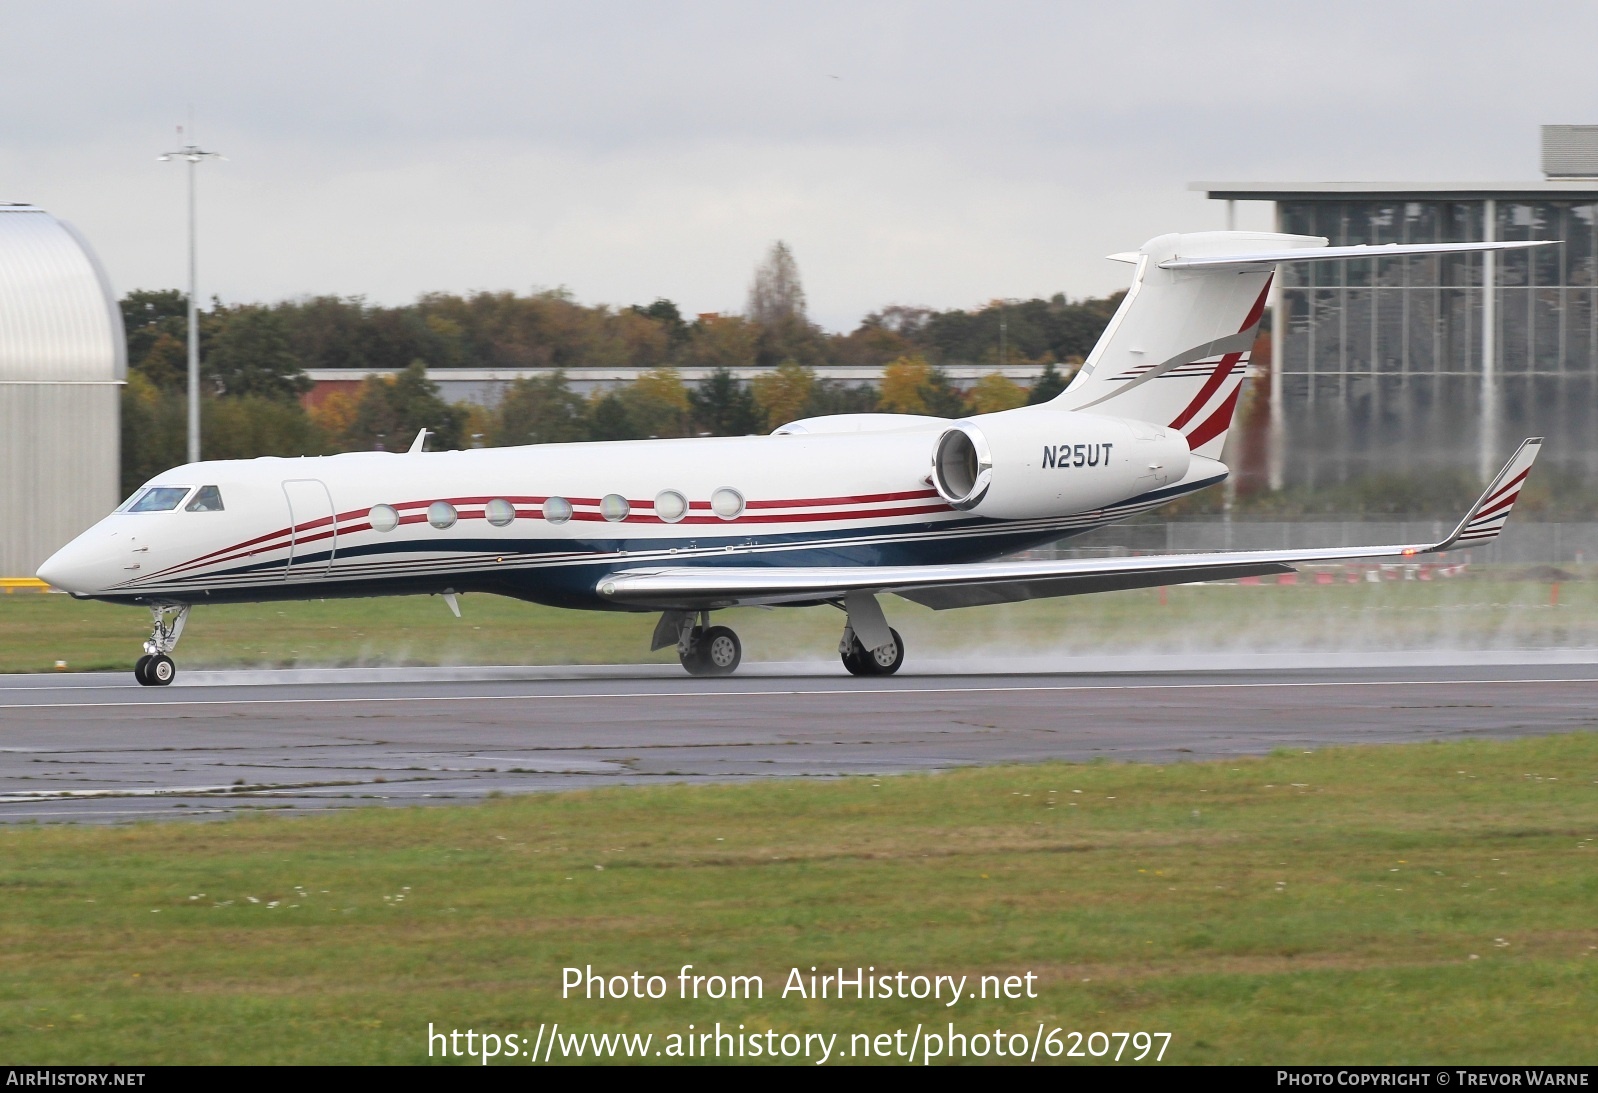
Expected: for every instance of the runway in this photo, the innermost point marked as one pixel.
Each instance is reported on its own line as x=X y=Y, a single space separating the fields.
x=99 y=748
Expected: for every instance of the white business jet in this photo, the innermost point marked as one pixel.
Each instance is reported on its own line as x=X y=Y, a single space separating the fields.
x=830 y=510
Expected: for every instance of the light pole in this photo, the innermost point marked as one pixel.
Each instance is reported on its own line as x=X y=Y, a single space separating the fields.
x=193 y=154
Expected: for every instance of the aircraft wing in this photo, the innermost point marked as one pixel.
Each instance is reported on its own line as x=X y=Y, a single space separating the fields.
x=945 y=586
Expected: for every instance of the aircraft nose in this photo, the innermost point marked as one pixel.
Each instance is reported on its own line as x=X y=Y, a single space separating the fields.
x=73 y=568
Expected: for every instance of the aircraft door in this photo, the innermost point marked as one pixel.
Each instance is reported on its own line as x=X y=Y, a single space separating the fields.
x=313 y=529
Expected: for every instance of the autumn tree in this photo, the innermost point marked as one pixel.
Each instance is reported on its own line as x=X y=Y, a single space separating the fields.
x=157 y=326
x=539 y=410
x=721 y=406
x=1049 y=385
x=775 y=294
x=995 y=392
x=657 y=404
x=393 y=409
x=249 y=354
x=784 y=392
x=720 y=341
x=607 y=418
x=912 y=386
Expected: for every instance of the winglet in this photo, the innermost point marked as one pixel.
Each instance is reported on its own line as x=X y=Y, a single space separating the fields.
x=421 y=438
x=1487 y=517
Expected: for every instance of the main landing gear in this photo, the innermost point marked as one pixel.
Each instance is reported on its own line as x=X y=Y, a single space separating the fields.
x=155 y=667
x=870 y=647
x=704 y=650
x=884 y=660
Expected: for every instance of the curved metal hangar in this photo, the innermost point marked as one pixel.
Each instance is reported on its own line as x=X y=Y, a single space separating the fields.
x=63 y=357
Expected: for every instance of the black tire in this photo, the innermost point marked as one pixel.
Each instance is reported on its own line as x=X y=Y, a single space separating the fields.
x=875 y=662
x=138 y=670
x=719 y=651
x=160 y=671
x=854 y=659
x=694 y=662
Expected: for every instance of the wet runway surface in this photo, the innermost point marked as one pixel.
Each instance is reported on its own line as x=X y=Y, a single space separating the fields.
x=99 y=748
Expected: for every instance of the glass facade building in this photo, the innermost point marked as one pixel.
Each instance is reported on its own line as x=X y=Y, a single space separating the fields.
x=1415 y=364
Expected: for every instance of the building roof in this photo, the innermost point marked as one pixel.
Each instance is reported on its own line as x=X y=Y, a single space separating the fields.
x=59 y=320
x=1539 y=190
x=843 y=373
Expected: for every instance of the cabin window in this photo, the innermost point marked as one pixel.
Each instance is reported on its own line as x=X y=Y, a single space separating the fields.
x=160 y=499
x=727 y=503
x=499 y=512
x=557 y=510
x=670 y=506
x=383 y=518
x=441 y=514
x=206 y=499
x=614 y=507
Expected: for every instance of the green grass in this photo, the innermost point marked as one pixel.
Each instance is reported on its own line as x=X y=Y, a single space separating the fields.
x=1489 y=611
x=1421 y=904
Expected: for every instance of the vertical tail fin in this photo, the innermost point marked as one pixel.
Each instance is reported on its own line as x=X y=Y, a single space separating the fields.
x=1176 y=351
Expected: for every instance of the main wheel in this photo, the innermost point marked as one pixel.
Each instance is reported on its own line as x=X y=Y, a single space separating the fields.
x=883 y=661
x=160 y=670
x=719 y=651
x=139 y=668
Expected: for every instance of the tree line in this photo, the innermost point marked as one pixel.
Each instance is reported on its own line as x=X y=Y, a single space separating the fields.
x=254 y=356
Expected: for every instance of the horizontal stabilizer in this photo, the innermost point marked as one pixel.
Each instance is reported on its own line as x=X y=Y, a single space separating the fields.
x=1324 y=254
x=945 y=586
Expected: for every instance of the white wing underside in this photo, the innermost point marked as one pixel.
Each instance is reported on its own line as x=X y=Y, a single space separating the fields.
x=947 y=586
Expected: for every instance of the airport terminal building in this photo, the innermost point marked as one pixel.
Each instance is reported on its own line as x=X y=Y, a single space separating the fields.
x=1413 y=364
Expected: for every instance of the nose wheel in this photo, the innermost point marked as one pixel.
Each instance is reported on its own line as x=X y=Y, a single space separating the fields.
x=154 y=671
x=155 y=668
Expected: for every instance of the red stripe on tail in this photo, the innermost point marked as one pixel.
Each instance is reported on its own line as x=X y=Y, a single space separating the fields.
x=1206 y=392
x=1216 y=424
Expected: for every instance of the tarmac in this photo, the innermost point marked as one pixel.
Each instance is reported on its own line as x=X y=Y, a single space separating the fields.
x=98 y=748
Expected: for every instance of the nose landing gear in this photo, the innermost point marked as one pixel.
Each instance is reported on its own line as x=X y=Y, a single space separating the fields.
x=154 y=671
x=155 y=668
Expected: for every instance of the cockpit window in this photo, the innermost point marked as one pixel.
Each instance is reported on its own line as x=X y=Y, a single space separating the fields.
x=206 y=499
x=160 y=499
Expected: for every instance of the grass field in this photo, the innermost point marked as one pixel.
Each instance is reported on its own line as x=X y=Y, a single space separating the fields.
x=1430 y=903
x=1485 y=611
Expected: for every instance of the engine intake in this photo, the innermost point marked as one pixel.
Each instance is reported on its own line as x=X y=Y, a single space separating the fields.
x=1035 y=462
x=962 y=466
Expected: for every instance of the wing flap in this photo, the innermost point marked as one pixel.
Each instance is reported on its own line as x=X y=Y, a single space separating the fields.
x=945 y=597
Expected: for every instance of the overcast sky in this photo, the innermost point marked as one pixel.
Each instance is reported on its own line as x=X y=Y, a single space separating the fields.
x=916 y=153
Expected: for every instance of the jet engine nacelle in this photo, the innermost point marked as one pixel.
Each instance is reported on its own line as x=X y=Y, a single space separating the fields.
x=1036 y=462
